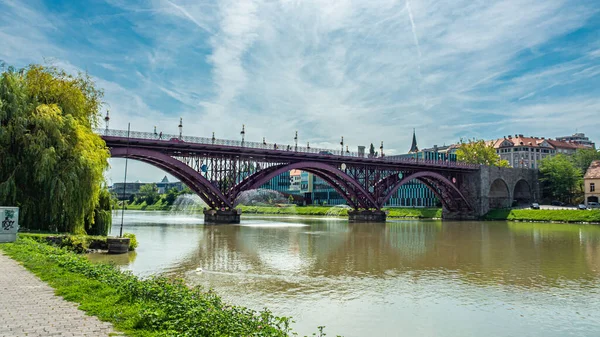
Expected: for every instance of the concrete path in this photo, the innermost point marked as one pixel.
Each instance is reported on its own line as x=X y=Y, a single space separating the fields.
x=28 y=307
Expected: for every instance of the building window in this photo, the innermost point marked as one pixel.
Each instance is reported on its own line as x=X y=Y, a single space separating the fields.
x=592 y=187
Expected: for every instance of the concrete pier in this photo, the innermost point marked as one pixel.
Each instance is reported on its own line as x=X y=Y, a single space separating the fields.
x=217 y=216
x=366 y=216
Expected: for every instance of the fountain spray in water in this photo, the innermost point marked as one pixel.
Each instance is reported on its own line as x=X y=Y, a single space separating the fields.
x=260 y=197
x=188 y=204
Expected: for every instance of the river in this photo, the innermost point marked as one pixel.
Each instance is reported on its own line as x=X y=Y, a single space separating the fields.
x=401 y=278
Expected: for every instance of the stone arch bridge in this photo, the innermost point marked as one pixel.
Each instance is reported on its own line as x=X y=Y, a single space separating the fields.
x=219 y=170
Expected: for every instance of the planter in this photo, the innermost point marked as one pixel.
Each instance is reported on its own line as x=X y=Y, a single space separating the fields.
x=117 y=245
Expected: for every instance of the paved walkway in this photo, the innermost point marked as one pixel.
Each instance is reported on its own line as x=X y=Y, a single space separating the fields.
x=28 y=307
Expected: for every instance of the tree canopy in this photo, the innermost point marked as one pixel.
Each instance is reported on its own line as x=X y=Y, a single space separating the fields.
x=52 y=162
x=584 y=157
x=560 y=177
x=478 y=152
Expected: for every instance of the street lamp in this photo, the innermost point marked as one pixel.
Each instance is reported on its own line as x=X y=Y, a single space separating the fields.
x=243 y=133
x=308 y=145
x=155 y=134
x=180 y=127
x=213 y=137
x=296 y=141
x=342 y=144
x=264 y=141
x=106 y=120
x=347 y=151
x=381 y=148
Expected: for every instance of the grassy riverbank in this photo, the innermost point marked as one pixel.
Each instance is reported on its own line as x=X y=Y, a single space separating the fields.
x=414 y=213
x=149 y=307
x=545 y=215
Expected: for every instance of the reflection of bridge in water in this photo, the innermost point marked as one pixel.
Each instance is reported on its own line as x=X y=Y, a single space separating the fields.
x=219 y=170
x=481 y=253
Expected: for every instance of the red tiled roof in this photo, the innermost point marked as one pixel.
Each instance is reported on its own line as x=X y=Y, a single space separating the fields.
x=593 y=172
x=535 y=142
x=566 y=145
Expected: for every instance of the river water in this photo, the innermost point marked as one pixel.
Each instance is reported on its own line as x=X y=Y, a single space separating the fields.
x=401 y=278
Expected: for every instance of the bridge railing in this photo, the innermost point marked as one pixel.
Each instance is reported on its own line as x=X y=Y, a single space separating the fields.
x=271 y=146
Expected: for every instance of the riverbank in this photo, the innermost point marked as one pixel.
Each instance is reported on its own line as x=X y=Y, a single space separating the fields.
x=545 y=215
x=412 y=213
x=149 y=307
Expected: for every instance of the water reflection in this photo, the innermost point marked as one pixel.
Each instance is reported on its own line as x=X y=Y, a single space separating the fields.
x=369 y=279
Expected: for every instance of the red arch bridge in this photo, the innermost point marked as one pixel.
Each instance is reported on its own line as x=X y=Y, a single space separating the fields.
x=219 y=170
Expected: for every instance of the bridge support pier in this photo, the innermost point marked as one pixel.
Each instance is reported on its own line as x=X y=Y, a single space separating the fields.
x=366 y=216
x=217 y=216
x=459 y=215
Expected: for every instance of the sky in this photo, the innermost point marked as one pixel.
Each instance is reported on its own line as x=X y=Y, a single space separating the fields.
x=367 y=70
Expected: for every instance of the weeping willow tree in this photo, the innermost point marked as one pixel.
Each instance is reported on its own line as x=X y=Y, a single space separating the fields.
x=51 y=161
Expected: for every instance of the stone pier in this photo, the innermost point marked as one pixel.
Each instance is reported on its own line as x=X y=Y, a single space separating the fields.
x=217 y=216
x=366 y=216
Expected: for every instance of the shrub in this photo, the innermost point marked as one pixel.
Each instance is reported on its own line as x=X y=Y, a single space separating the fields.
x=133 y=243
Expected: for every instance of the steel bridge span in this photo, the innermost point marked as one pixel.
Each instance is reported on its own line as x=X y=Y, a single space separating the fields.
x=219 y=170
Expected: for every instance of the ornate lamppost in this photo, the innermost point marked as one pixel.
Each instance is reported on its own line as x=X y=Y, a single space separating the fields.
x=106 y=120
x=381 y=148
x=213 y=138
x=180 y=127
x=342 y=144
x=243 y=133
x=308 y=145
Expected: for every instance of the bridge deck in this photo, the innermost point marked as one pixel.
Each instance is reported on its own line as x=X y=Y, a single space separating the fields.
x=189 y=146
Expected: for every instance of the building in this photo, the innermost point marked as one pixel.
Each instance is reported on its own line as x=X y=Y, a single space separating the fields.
x=578 y=138
x=125 y=191
x=591 y=183
x=527 y=152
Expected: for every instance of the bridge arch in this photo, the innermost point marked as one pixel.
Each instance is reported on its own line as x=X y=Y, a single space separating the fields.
x=499 y=194
x=194 y=180
x=522 y=192
x=450 y=196
x=348 y=188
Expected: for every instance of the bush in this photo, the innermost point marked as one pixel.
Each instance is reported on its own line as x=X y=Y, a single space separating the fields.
x=133 y=243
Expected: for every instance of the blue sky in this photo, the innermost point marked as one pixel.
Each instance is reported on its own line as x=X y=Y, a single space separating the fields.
x=368 y=70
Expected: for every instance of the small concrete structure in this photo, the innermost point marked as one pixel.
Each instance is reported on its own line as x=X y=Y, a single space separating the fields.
x=117 y=245
x=366 y=216
x=215 y=217
x=9 y=223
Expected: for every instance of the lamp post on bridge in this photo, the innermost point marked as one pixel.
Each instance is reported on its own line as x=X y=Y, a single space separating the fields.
x=243 y=133
x=155 y=134
x=308 y=145
x=106 y=120
x=180 y=127
x=342 y=144
x=213 y=138
x=296 y=141
x=381 y=148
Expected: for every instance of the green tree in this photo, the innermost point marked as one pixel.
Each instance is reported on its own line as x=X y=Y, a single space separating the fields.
x=149 y=194
x=478 y=152
x=560 y=177
x=52 y=162
x=171 y=196
x=584 y=157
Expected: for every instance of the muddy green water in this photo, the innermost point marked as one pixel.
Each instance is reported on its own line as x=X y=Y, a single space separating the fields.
x=401 y=278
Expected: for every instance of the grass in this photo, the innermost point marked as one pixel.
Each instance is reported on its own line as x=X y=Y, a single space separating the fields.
x=420 y=213
x=141 y=307
x=77 y=243
x=566 y=215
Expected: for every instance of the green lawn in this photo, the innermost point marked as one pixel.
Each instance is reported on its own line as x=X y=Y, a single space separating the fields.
x=563 y=215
